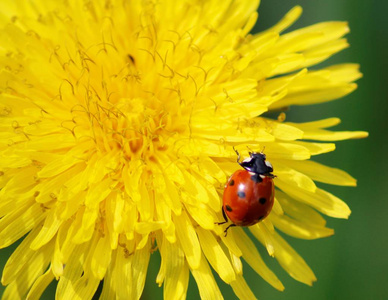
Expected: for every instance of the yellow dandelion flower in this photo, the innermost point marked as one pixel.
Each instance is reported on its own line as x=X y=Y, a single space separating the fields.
x=118 y=122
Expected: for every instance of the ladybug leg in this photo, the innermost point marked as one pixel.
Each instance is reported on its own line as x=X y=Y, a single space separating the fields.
x=226 y=230
x=238 y=155
x=225 y=218
x=225 y=221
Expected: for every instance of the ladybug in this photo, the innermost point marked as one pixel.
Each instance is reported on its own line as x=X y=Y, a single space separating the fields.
x=249 y=193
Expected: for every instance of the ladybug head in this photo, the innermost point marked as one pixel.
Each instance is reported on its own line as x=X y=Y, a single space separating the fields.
x=257 y=163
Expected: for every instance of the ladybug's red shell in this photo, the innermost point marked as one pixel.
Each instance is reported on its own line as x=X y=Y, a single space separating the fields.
x=248 y=199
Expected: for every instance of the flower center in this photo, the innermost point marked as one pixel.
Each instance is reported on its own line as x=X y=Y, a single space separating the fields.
x=137 y=126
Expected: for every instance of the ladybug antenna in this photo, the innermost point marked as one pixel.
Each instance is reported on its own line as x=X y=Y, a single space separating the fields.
x=262 y=151
x=249 y=151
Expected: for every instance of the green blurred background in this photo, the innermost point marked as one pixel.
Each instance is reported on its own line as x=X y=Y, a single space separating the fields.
x=352 y=264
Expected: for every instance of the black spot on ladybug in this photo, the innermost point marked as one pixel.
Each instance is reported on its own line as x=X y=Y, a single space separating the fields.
x=261 y=218
x=231 y=183
x=256 y=178
x=262 y=200
x=228 y=208
x=241 y=194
